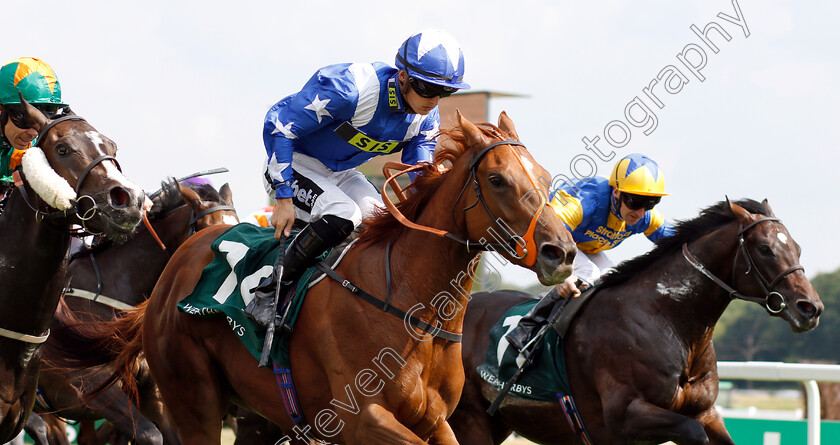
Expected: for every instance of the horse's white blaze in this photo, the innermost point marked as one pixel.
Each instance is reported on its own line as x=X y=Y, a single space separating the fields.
x=95 y=137
x=230 y=219
x=528 y=166
x=782 y=237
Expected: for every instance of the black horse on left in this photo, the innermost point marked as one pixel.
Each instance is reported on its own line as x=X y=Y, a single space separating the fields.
x=71 y=185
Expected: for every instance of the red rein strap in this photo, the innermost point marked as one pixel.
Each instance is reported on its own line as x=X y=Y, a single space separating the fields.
x=403 y=169
x=530 y=247
x=152 y=231
x=17 y=178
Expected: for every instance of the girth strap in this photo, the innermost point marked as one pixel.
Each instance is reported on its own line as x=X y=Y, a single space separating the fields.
x=98 y=298
x=382 y=305
x=26 y=338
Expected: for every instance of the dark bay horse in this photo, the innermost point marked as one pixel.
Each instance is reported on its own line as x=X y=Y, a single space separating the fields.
x=69 y=177
x=639 y=355
x=126 y=273
x=481 y=181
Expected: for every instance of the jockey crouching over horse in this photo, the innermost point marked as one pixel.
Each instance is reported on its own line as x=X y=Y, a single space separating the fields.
x=362 y=376
x=600 y=213
x=63 y=174
x=344 y=116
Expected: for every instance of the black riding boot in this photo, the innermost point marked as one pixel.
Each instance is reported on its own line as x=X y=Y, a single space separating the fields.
x=531 y=322
x=301 y=254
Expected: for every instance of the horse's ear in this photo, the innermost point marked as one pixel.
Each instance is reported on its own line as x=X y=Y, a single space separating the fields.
x=741 y=213
x=33 y=115
x=471 y=132
x=190 y=196
x=506 y=124
x=227 y=194
x=767 y=206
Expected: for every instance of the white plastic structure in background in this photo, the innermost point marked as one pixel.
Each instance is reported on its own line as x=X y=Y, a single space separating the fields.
x=796 y=372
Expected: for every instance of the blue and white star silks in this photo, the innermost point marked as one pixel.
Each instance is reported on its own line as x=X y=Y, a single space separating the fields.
x=341 y=117
x=431 y=133
x=430 y=39
x=285 y=129
x=319 y=107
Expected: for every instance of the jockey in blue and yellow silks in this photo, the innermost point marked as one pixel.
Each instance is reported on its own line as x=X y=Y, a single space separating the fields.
x=601 y=213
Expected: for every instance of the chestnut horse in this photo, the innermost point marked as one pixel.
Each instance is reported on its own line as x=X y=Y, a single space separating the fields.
x=69 y=177
x=640 y=360
x=120 y=275
x=340 y=340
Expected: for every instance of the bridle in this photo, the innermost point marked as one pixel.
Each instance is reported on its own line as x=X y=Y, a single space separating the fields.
x=38 y=339
x=74 y=209
x=522 y=247
x=766 y=285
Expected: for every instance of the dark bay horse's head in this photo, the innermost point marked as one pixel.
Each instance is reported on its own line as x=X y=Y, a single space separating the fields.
x=210 y=207
x=770 y=257
x=72 y=168
x=509 y=202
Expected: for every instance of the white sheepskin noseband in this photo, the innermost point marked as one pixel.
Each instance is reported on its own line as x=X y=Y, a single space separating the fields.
x=51 y=187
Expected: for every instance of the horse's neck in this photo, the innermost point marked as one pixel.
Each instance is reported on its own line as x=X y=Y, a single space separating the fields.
x=687 y=291
x=33 y=264
x=435 y=269
x=129 y=270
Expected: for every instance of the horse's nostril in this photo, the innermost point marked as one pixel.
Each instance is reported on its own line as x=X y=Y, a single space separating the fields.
x=570 y=257
x=807 y=309
x=552 y=253
x=119 y=197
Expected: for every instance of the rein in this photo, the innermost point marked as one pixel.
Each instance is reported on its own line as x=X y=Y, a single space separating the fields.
x=521 y=247
x=766 y=286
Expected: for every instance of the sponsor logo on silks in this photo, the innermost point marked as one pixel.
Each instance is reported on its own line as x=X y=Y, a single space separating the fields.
x=395 y=103
x=363 y=142
x=392 y=96
x=305 y=192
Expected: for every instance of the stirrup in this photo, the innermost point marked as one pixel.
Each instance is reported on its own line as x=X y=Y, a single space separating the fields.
x=261 y=308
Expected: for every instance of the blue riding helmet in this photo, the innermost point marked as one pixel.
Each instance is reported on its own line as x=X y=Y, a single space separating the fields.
x=433 y=56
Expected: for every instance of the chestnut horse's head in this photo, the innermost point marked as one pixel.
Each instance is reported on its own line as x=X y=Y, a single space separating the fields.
x=505 y=201
x=73 y=169
x=769 y=257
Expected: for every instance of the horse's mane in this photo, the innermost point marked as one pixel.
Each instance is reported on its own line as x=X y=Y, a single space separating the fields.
x=687 y=231
x=452 y=144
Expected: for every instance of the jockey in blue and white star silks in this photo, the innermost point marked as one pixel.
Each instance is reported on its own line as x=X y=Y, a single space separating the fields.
x=345 y=115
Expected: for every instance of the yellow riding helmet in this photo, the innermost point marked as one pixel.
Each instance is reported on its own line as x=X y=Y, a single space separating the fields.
x=639 y=175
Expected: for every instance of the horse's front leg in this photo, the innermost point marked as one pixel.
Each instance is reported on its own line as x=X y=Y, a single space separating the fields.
x=642 y=421
x=378 y=425
x=443 y=436
x=712 y=422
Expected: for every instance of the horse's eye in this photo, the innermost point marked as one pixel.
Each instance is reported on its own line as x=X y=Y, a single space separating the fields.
x=62 y=150
x=497 y=180
x=765 y=250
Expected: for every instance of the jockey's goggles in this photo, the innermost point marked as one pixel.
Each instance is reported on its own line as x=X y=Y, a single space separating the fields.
x=429 y=90
x=636 y=202
x=16 y=115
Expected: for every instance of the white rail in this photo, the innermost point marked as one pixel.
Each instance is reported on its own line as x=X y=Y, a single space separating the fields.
x=797 y=372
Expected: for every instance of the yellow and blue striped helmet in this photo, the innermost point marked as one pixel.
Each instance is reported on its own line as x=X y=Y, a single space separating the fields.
x=639 y=175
